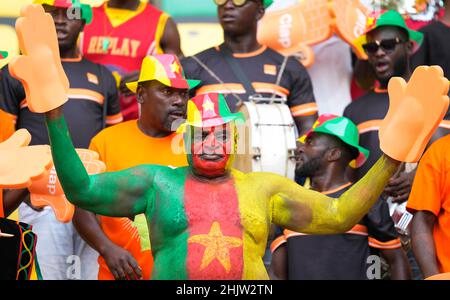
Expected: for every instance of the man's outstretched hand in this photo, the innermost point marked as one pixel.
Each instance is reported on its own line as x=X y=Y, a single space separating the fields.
x=19 y=164
x=415 y=111
x=39 y=68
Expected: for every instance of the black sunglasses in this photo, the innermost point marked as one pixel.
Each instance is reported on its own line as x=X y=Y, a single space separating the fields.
x=235 y=2
x=387 y=45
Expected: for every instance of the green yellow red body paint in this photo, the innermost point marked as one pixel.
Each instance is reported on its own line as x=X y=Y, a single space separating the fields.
x=203 y=228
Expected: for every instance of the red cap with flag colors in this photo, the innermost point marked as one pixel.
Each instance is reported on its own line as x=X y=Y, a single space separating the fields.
x=3 y=54
x=209 y=110
x=342 y=128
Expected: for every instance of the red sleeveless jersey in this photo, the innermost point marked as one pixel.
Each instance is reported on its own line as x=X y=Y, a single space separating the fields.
x=122 y=48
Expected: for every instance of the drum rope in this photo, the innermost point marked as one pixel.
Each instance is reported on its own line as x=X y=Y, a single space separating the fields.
x=211 y=72
x=280 y=75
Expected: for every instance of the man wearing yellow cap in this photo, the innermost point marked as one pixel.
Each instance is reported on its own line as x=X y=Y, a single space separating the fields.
x=93 y=104
x=163 y=93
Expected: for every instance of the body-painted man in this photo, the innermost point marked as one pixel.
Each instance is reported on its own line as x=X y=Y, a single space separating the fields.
x=208 y=220
x=123 y=244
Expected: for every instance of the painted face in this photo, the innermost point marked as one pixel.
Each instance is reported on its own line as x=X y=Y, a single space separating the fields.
x=391 y=57
x=212 y=150
x=67 y=30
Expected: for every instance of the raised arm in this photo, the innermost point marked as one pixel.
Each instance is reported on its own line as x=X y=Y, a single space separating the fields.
x=115 y=194
x=303 y=210
x=414 y=114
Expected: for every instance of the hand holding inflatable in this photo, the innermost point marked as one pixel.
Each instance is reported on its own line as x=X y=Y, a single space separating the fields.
x=19 y=164
x=293 y=30
x=415 y=110
x=39 y=69
x=48 y=191
x=349 y=22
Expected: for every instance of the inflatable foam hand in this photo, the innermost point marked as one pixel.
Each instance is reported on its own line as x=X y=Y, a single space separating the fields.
x=20 y=164
x=441 y=276
x=415 y=111
x=292 y=30
x=48 y=191
x=349 y=22
x=39 y=68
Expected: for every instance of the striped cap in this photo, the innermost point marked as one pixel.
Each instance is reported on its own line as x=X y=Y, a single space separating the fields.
x=209 y=110
x=165 y=68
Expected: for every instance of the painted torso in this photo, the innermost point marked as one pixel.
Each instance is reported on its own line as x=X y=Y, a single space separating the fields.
x=207 y=231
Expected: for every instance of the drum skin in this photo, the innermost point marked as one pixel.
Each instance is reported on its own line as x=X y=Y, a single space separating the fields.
x=267 y=141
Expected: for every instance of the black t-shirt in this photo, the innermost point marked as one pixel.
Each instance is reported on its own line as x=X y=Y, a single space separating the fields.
x=338 y=256
x=90 y=85
x=367 y=112
x=261 y=68
x=435 y=49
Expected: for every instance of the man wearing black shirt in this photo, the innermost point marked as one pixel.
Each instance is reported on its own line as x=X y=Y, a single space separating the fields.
x=261 y=65
x=327 y=151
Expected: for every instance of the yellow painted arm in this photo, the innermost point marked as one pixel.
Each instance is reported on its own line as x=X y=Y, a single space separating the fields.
x=299 y=209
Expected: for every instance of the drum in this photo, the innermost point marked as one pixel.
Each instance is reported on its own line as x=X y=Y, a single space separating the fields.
x=267 y=140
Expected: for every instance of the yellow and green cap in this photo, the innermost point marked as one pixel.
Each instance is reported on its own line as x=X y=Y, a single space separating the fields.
x=166 y=69
x=342 y=128
x=86 y=10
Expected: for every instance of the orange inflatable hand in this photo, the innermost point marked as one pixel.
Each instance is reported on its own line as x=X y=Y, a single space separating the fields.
x=415 y=111
x=39 y=69
x=48 y=191
x=349 y=22
x=292 y=30
x=19 y=164
x=441 y=276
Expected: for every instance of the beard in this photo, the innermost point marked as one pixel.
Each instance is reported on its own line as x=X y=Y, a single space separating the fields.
x=399 y=70
x=309 y=168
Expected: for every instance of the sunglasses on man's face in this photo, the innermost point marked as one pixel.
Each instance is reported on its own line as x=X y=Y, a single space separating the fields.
x=235 y=2
x=387 y=45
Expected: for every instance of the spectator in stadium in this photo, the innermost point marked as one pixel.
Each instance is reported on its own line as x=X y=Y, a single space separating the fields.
x=112 y=39
x=430 y=203
x=323 y=155
x=435 y=49
x=241 y=67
